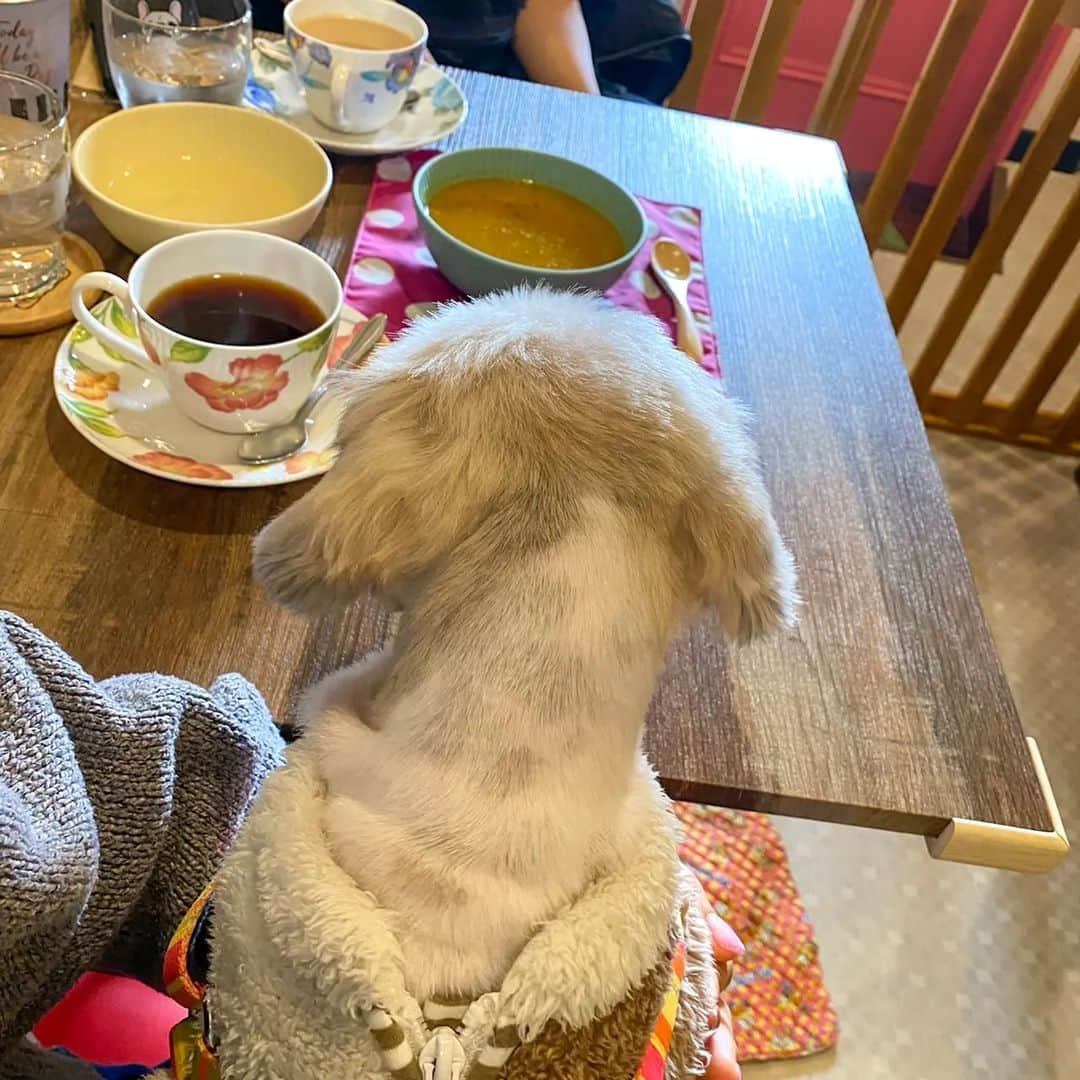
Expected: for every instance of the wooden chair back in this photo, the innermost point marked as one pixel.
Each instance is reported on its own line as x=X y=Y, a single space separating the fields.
x=971 y=409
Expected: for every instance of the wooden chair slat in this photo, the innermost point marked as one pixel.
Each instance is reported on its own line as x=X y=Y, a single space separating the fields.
x=849 y=66
x=1051 y=364
x=919 y=113
x=1023 y=189
x=1068 y=428
x=1040 y=279
x=1024 y=47
x=704 y=26
x=763 y=63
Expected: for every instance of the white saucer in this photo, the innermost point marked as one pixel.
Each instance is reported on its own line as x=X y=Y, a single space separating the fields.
x=437 y=108
x=126 y=413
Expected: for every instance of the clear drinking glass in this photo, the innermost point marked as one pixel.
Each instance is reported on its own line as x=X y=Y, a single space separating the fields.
x=154 y=56
x=35 y=173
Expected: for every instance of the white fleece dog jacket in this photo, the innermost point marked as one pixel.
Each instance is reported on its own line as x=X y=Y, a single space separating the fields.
x=306 y=977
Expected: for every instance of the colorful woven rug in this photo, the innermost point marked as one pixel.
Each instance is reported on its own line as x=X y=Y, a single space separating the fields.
x=777 y=997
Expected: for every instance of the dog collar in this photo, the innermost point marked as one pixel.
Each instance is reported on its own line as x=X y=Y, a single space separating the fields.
x=185 y=974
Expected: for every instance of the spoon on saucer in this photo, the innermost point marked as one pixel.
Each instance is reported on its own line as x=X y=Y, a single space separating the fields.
x=671 y=266
x=278 y=443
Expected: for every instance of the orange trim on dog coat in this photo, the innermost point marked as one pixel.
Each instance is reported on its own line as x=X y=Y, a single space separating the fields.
x=190 y=1042
x=655 y=1058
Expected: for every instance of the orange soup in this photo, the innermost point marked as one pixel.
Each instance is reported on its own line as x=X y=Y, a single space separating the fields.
x=527 y=223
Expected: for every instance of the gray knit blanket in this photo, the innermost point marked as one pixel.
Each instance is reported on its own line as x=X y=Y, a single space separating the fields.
x=117 y=801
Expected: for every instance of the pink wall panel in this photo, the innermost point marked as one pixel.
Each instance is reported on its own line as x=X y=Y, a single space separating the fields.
x=896 y=65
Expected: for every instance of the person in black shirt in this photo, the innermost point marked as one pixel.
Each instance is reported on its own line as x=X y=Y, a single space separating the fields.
x=632 y=49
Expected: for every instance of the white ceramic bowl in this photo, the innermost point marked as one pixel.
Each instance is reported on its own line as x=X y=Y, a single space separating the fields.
x=159 y=171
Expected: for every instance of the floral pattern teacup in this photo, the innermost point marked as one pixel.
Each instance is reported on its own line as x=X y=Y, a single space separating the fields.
x=231 y=388
x=354 y=90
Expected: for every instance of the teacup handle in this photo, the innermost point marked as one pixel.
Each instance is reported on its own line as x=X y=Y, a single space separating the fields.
x=118 y=287
x=339 y=86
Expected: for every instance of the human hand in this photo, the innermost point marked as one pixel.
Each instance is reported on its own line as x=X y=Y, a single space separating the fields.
x=727 y=948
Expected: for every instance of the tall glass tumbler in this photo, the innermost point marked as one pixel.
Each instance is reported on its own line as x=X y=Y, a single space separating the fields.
x=35 y=173
x=196 y=51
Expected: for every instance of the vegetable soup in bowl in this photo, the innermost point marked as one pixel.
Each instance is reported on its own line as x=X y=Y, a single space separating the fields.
x=495 y=217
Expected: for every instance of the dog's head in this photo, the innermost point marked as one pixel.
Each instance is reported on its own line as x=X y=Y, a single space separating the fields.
x=504 y=416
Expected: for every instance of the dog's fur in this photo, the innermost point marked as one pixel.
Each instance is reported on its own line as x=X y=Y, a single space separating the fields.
x=547 y=489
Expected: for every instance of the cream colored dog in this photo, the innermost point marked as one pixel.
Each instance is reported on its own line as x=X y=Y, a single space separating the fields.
x=547 y=489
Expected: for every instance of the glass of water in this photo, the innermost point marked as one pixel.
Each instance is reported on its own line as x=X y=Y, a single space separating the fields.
x=192 y=50
x=35 y=172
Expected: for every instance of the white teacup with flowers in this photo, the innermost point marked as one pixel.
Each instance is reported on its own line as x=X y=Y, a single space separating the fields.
x=230 y=388
x=357 y=90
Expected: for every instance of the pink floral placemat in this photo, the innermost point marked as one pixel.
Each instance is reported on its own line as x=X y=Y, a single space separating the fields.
x=392 y=271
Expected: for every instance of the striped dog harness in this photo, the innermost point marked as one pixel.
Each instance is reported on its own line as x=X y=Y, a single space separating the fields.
x=193 y=1047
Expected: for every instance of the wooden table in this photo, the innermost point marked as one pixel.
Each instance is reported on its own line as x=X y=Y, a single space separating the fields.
x=887 y=708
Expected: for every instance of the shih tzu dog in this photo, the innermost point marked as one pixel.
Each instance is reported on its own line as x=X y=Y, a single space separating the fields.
x=467 y=868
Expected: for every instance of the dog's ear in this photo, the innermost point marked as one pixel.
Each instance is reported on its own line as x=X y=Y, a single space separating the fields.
x=301 y=557
x=735 y=560
x=391 y=505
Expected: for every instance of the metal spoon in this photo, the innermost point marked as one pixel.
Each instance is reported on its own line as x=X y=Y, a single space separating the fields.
x=274 y=49
x=277 y=443
x=671 y=266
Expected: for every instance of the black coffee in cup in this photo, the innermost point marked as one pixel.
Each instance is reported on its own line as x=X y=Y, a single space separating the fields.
x=236 y=309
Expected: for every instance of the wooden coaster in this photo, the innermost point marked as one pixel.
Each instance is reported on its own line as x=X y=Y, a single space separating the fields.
x=53 y=308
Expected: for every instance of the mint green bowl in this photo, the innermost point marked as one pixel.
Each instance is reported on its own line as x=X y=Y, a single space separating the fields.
x=475 y=272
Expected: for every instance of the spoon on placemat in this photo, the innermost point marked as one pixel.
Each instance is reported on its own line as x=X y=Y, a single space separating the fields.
x=671 y=266
x=278 y=443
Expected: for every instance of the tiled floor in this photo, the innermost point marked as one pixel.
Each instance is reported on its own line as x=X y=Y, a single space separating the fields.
x=943 y=972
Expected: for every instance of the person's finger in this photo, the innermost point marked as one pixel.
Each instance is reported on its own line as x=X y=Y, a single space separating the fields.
x=702 y=899
x=725 y=1019
x=726 y=948
x=726 y=943
x=721 y=1049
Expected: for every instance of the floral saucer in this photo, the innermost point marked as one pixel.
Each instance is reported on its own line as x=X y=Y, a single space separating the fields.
x=127 y=413
x=435 y=106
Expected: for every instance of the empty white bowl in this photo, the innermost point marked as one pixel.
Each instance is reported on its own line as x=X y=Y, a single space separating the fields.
x=159 y=171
